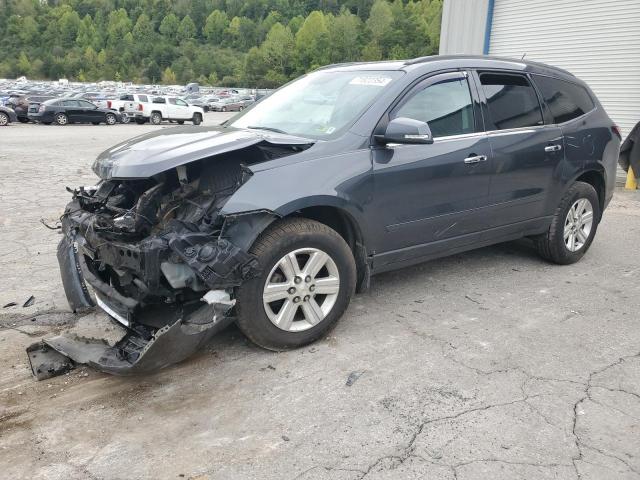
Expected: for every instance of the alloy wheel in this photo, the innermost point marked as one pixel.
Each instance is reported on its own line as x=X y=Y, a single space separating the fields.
x=4 y=119
x=61 y=119
x=578 y=224
x=111 y=119
x=301 y=289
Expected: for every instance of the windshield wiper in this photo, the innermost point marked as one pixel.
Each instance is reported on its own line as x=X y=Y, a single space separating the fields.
x=271 y=129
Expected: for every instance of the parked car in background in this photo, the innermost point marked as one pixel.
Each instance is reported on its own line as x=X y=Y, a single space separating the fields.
x=21 y=105
x=202 y=102
x=63 y=111
x=7 y=115
x=165 y=108
x=120 y=104
x=233 y=104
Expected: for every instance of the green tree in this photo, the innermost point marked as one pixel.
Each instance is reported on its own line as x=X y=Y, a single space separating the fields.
x=215 y=26
x=88 y=35
x=168 y=77
x=345 y=32
x=169 y=26
x=186 y=30
x=312 y=42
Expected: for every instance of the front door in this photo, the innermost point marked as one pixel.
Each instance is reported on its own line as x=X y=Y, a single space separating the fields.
x=528 y=155
x=428 y=197
x=90 y=112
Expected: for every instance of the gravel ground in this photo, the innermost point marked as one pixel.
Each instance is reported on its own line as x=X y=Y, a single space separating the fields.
x=486 y=365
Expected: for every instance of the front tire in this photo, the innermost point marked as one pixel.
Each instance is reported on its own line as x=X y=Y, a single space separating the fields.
x=307 y=278
x=125 y=118
x=573 y=226
x=197 y=119
x=4 y=119
x=110 y=119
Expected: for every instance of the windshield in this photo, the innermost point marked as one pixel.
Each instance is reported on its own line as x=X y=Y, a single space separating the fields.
x=319 y=105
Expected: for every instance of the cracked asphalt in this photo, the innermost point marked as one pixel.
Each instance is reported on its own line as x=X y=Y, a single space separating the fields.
x=487 y=365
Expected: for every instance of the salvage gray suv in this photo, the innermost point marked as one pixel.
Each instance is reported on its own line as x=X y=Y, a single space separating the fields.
x=276 y=217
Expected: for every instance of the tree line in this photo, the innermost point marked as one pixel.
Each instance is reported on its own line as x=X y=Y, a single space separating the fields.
x=255 y=43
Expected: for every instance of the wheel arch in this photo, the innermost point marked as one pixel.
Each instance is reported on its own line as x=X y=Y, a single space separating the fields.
x=332 y=214
x=597 y=179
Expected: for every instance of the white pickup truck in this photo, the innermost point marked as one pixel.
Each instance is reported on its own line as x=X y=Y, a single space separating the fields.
x=119 y=104
x=164 y=108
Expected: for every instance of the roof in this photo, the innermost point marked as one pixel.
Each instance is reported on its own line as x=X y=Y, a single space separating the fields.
x=454 y=61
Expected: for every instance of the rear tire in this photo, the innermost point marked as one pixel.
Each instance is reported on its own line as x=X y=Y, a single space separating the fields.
x=156 y=118
x=140 y=121
x=61 y=119
x=570 y=236
x=23 y=120
x=180 y=122
x=197 y=119
x=275 y=245
x=124 y=118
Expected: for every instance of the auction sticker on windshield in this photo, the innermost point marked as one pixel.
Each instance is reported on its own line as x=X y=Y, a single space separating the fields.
x=374 y=81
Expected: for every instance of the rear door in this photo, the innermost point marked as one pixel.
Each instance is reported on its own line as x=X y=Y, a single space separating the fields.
x=527 y=154
x=73 y=110
x=430 y=197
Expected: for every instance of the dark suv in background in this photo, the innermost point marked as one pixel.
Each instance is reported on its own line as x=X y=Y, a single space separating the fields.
x=276 y=217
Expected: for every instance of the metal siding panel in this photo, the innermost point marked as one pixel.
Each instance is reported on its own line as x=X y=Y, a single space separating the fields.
x=463 y=24
x=596 y=40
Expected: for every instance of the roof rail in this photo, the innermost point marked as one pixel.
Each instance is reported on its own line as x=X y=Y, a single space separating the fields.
x=413 y=61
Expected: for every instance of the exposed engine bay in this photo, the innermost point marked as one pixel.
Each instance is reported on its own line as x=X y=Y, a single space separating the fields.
x=156 y=255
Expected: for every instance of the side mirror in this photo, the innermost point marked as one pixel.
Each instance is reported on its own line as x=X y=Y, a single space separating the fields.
x=406 y=130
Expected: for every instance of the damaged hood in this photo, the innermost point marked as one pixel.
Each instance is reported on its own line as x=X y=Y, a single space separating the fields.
x=147 y=155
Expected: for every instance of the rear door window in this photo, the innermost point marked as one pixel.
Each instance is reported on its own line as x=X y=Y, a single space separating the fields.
x=445 y=106
x=565 y=100
x=511 y=100
x=143 y=98
x=172 y=101
x=159 y=100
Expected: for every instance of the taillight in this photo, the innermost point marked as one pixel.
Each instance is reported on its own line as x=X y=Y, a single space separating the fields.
x=616 y=129
x=140 y=107
x=108 y=103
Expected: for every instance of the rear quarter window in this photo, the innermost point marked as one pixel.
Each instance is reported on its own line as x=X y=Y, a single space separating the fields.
x=565 y=100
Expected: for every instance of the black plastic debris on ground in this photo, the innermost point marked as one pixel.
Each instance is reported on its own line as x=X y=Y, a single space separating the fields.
x=10 y=304
x=29 y=301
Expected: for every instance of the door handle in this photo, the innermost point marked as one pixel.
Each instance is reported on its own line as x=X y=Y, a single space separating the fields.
x=475 y=159
x=553 y=148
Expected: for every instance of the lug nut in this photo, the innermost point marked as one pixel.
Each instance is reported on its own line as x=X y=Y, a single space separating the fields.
x=307 y=279
x=297 y=280
x=312 y=288
x=296 y=300
x=306 y=298
x=291 y=291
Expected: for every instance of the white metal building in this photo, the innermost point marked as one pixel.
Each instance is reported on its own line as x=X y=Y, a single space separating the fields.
x=596 y=40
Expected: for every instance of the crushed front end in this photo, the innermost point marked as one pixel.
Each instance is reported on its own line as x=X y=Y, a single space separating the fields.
x=156 y=255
